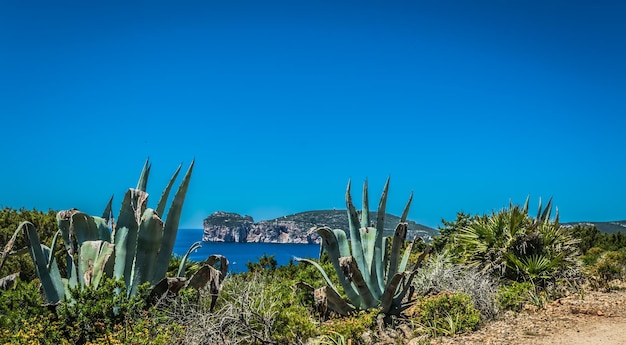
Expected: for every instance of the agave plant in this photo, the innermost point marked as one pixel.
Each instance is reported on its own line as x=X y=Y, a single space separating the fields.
x=515 y=245
x=372 y=273
x=137 y=248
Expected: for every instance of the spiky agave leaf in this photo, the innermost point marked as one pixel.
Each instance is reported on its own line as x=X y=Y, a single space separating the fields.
x=142 y=184
x=54 y=243
x=387 y=300
x=50 y=278
x=379 y=268
x=171 y=226
x=149 y=240
x=166 y=192
x=399 y=236
x=329 y=283
x=337 y=247
x=125 y=233
x=353 y=273
x=107 y=214
x=183 y=261
x=355 y=233
x=365 y=208
x=96 y=261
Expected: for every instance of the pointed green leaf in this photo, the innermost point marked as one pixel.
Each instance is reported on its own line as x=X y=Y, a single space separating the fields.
x=142 y=184
x=183 y=261
x=171 y=226
x=320 y=269
x=96 y=261
x=149 y=239
x=84 y=228
x=334 y=250
x=352 y=272
x=525 y=209
x=104 y=232
x=125 y=234
x=64 y=219
x=334 y=301
x=54 y=243
x=405 y=213
x=545 y=216
x=380 y=264
x=368 y=237
x=342 y=242
x=107 y=215
x=365 y=209
x=407 y=254
x=355 y=232
x=166 y=192
x=399 y=236
x=50 y=278
x=386 y=255
x=386 y=303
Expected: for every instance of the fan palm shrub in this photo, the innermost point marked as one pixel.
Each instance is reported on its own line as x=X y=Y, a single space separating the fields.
x=514 y=245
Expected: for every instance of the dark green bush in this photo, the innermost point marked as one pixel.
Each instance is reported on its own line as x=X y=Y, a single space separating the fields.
x=19 y=303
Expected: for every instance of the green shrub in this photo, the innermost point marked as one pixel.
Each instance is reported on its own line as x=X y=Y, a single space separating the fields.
x=592 y=255
x=19 y=303
x=93 y=312
x=514 y=296
x=96 y=316
x=608 y=267
x=350 y=327
x=447 y=314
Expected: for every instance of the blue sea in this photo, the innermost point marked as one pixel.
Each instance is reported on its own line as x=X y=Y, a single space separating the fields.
x=238 y=254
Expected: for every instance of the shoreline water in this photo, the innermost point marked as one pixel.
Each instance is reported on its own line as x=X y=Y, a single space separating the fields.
x=239 y=254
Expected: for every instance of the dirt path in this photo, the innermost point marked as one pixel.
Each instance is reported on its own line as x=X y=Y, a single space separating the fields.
x=590 y=331
x=596 y=319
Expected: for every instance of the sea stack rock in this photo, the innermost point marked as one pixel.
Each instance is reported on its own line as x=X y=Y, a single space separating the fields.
x=232 y=227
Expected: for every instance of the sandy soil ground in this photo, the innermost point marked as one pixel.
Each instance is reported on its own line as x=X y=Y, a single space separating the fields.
x=598 y=318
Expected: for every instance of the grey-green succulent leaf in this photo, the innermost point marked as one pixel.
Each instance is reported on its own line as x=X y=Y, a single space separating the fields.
x=336 y=245
x=149 y=240
x=399 y=236
x=166 y=192
x=171 y=226
x=96 y=261
x=183 y=261
x=50 y=278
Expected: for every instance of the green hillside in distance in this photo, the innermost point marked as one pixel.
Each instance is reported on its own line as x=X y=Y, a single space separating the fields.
x=605 y=227
x=338 y=219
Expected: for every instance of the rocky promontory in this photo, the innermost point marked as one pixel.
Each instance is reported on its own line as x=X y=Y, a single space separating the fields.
x=296 y=228
x=232 y=227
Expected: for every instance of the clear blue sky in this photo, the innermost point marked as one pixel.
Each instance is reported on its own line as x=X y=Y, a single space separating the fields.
x=467 y=103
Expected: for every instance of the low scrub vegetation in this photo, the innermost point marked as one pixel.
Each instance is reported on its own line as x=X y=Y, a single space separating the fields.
x=478 y=267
